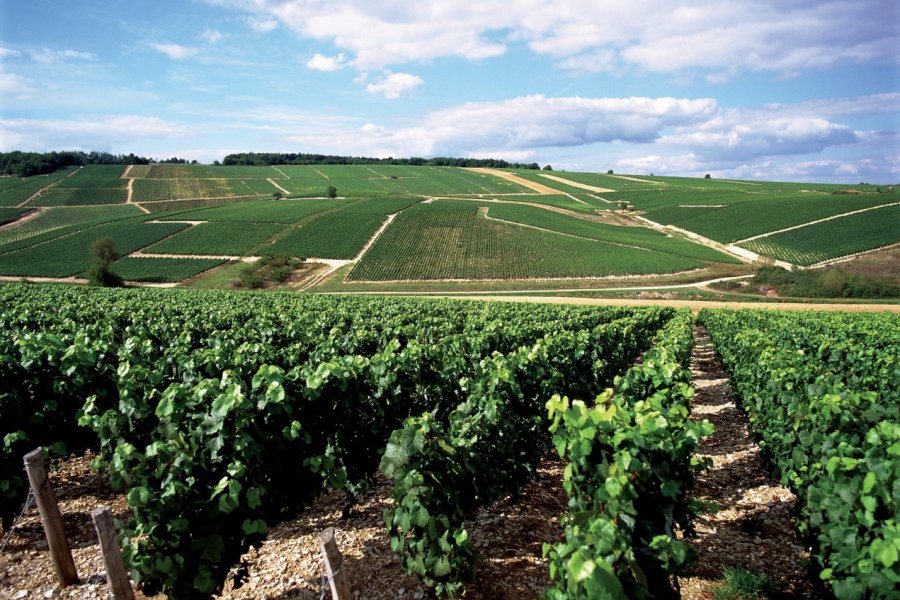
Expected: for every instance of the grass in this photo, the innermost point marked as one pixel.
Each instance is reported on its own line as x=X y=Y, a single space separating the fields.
x=14 y=196
x=453 y=241
x=741 y=584
x=221 y=277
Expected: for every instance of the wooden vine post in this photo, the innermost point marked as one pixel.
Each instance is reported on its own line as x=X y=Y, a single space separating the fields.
x=116 y=576
x=51 y=518
x=337 y=576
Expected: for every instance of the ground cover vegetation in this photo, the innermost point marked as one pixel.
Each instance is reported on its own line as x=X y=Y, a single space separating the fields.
x=190 y=393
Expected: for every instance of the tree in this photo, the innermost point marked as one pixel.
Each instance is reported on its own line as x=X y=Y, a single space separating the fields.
x=331 y=192
x=707 y=176
x=277 y=195
x=100 y=272
x=548 y=168
x=610 y=172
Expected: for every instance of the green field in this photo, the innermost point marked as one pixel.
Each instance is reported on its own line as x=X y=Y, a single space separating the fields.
x=832 y=239
x=70 y=255
x=337 y=234
x=455 y=241
x=218 y=238
x=630 y=236
x=162 y=270
x=475 y=225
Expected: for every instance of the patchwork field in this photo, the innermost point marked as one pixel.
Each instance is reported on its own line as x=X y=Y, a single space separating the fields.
x=423 y=223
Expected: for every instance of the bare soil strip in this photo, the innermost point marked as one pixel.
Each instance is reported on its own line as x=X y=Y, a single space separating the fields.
x=531 y=185
x=694 y=305
x=743 y=254
x=272 y=181
x=483 y=211
x=831 y=218
x=283 y=174
x=246 y=259
x=600 y=216
x=639 y=180
x=23 y=218
x=754 y=526
x=46 y=187
x=584 y=186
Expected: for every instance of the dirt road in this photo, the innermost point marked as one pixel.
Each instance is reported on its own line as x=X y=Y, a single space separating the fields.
x=531 y=185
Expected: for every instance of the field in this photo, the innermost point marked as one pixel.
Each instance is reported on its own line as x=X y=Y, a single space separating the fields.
x=455 y=241
x=436 y=410
x=69 y=255
x=162 y=270
x=218 y=238
x=831 y=239
x=507 y=231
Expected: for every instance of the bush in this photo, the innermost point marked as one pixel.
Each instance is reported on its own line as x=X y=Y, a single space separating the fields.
x=100 y=272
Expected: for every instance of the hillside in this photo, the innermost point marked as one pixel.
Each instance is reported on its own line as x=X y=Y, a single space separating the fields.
x=385 y=227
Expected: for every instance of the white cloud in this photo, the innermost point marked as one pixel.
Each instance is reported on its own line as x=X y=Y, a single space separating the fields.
x=212 y=36
x=16 y=86
x=320 y=62
x=48 y=57
x=518 y=125
x=175 y=51
x=262 y=24
x=112 y=131
x=8 y=52
x=394 y=85
x=592 y=35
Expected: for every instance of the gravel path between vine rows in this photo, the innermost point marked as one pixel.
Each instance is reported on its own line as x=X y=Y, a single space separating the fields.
x=754 y=526
x=508 y=536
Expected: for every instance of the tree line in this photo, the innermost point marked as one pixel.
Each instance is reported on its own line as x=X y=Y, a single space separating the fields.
x=293 y=158
x=25 y=164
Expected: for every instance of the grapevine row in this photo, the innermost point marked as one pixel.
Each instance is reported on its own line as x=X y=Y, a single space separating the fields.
x=823 y=395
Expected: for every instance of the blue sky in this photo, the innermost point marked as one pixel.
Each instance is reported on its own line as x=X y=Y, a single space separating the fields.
x=759 y=89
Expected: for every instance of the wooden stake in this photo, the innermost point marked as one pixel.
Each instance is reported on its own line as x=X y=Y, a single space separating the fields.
x=337 y=576
x=116 y=576
x=50 y=517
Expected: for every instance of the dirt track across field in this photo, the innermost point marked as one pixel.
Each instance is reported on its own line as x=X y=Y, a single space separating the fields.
x=531 y=185
x=584 y=186
x=694 y=305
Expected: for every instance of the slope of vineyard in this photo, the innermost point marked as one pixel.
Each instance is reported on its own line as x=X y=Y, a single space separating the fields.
x=449 y=240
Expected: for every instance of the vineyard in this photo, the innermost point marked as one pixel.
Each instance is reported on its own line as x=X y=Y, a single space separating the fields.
x=448 y=240
x=429 y=224
x=823 y=395
x=194 y=399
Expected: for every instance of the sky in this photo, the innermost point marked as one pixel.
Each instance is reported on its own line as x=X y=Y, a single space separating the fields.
x=790 y=90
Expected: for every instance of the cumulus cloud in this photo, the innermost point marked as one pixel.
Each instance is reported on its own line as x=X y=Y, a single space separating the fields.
x=394 y=85
x=521 y=125
x=8 y=52
x=175 y=51
x=320 y=62
x=593 y=35
x=16 y=86
x=116 y=130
